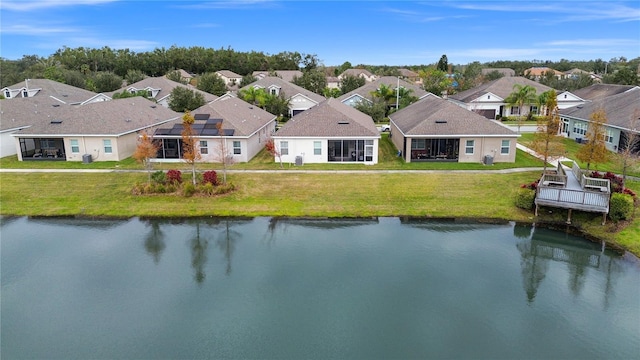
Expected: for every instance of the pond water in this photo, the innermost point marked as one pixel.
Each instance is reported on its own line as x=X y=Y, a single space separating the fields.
x=311 y=288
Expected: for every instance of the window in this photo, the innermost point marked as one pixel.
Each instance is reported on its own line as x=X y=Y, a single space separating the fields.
x=580 y=128
x=515 y=110
x=608 y=136
x=237 y=149
x=317 y=148
x=25 y=93
x=204 y=147
x=534 y=110
x=75 y=148
x=284 y=148
x=107 y=146
x=506 y=145
x=7 y=94
x=468 y=149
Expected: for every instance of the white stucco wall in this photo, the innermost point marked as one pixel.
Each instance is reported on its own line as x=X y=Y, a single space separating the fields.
x=305 y=147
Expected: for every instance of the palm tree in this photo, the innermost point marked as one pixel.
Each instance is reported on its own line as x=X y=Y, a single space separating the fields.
x=521 y=96
x=385 y=92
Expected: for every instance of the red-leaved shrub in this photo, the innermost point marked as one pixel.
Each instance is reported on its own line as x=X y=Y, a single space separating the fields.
x=174 y=176
x=210 y=177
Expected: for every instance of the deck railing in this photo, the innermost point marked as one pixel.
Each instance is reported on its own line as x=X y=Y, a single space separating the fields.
x=579 y=197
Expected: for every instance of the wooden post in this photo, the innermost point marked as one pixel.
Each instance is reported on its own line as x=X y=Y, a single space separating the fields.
x=536 y=210
x=604 y=218
x=569 y=217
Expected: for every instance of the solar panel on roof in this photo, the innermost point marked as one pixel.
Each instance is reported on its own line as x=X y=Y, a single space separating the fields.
x=201 y=116
x=228 y=132
x=209 y=132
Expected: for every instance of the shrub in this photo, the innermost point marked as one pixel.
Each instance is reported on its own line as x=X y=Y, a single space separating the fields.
x=210 y=177
x=620 y=207
x=531 y=186
x=174 y=176
x=524 y=198
x=159 y=177
x=188 y=189
x=224 y=188
x=207 y=188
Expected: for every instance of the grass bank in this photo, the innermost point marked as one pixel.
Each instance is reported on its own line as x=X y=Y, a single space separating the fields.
x=461 y=195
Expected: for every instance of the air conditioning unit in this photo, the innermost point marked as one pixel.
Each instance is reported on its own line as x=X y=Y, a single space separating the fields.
x=298 y=160
x=86 y=159
x=488 y=160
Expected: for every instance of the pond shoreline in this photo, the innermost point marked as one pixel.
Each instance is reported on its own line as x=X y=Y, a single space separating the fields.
x=552 y=225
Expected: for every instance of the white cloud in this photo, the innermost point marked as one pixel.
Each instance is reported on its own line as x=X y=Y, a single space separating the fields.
x=36 y=30
x=594 y=42
x=27 y=5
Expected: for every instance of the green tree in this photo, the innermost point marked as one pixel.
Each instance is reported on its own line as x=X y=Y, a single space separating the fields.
x=252 y=95
x=312 y=80
x=331 y=92
x=377 y=108
x=185 y=99
x=127 y=94
x=174 y=75
x=276 y=104
x=190 y=150
x=105 y=82
x=212 y=83
x=546 y=141
x=595 y=150
x=247 y=79
x=443 y=64
x=435 y=81
x=520 y=97
x=627 y=156
x=133 y=76
x=350 y=83
x=493 y=75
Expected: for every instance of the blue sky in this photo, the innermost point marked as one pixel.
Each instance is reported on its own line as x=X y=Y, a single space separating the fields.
x=361 y=32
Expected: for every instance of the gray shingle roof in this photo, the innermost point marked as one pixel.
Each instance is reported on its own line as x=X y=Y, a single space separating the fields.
x=328 y=119
x=288 y=88
x=620 y=108
x=115 y=117
x=228 y=74
x=438 y=117
x=392 y=81
x=239 y=115
x=356 y=72
x=165 y=85
x=48 y=88
x=501 y=87
x=599 y=91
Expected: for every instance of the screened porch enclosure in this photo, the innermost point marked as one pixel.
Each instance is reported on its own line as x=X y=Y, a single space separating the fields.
x=42 y=149
x=435 y=149
x=350 y=150
x=169 y=148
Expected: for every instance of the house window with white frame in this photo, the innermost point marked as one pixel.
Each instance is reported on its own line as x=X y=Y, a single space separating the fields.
x=75 y=147
x=25 y=93
x=469 y=145
x=505 y=147
x=7 y=94
x=534 y=110
x=204 y=147
x=237 y=148
x=515 y=110
x=284 y=148
x=317 y=148
x=608 y=136
x=580 y=128
x=107 y=146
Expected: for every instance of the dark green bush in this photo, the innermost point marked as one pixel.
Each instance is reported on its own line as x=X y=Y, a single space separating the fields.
x=159 y=177
x=620 y=207
x=524 y=198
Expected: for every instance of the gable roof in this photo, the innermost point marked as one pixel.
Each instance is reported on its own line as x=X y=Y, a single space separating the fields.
x=407 y=73
x=236 y=114
x=391 y=81
x=164 y=87
x=540 y=70
x=331 y=118
x=63 y=93
x=599 y=91
x=501 y=87
x=288 y=88
x=228 y=74
x=433 y=116
x=620 y=108
x=355 y=72
x=108 y=118
x=503 y=71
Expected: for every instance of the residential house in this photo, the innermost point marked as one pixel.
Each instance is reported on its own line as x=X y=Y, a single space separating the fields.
x=286 y=75
x=364 y=92
x=62 y=93
x=300 y=99
x=231 y=79
x=601 y=91
x=101 y=131
x=186 y=76
x=333 y=82
x=410 y=76
x=502 y=71
x=488 y=99
x=575 y=74
x=363 y=73
x=331 y=132
x=160 y=88
x=623 y=117
x=538 y=72
x=434 y=129
x=245 y=128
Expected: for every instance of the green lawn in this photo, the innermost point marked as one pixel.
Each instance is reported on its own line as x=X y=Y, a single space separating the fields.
x=572 y=147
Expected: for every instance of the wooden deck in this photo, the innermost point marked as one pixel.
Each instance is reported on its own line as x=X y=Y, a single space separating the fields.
x=574 y=191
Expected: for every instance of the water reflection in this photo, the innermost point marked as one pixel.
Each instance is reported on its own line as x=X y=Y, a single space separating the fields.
x=538 y=247
x=154 y=242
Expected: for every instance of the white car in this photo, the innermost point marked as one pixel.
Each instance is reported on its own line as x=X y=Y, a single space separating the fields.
x=385 y=128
